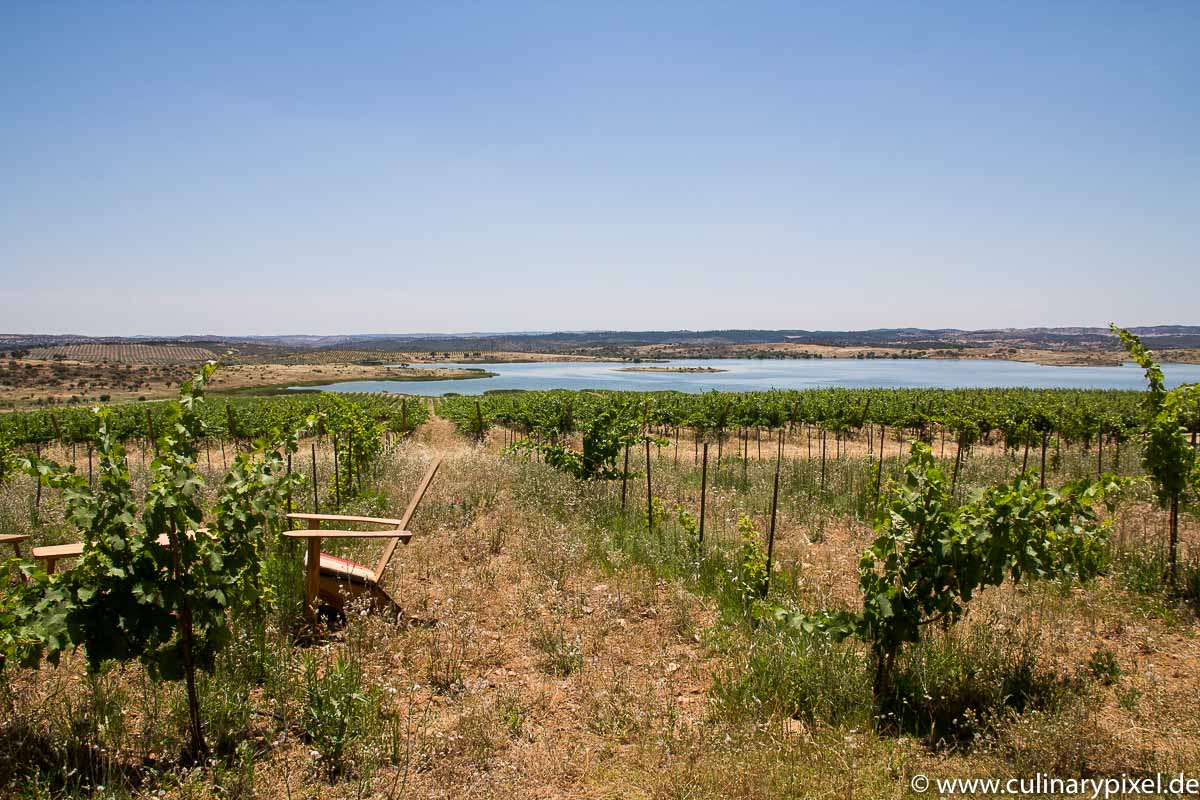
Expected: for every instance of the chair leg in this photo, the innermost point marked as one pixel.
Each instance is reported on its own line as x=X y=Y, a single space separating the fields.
x=312 y=579
x=17 y=549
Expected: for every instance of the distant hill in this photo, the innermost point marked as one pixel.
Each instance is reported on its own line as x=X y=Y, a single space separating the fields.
x=1083 y=338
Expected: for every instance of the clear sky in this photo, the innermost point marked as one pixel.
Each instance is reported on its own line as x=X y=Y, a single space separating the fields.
x=332 y=167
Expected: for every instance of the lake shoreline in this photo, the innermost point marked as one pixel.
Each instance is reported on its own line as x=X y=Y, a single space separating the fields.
x=746 y=375
x=321 y=385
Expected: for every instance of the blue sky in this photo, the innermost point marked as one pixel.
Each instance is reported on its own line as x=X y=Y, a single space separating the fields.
x=171 y=168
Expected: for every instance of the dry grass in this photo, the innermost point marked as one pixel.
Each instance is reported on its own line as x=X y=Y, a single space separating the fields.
x=550 y=658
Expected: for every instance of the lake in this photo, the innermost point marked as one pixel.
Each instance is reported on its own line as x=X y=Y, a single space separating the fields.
x=745 y=374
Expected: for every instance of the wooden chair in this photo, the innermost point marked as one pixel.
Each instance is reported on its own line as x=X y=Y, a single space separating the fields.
x=52 y=553
x=334 y=580
x=15 y=539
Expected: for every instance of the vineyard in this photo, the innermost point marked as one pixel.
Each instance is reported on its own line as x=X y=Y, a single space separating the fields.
x=240 y=418
x=1021 y=420
x=125 y=353
x=817 y=593
x=1016 y=416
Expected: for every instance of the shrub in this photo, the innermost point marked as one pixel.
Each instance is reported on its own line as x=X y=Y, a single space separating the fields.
x=789 y=673
x=931 y=556
x=1102 y=665
x=952 y=686
x=8 y=459
x=333 y=710
x=608 y=434
x=159 y=573
x=1141 y=569
x=750 y=575
x=1167 y=456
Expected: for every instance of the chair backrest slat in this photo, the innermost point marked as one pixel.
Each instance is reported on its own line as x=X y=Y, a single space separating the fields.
x=408 y=512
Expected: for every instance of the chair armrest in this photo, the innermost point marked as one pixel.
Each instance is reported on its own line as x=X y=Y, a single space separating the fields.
x=319 y=534
x=395 y=523
x=76 y=548
x=59 y=551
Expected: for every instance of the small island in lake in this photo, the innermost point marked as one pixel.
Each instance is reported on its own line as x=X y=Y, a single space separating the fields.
x=670 y=369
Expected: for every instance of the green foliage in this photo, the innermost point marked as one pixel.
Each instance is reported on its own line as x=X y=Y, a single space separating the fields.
x=954 y=686
x=249 y=418
x=1140 y=569
x=605 y=437
x=469 y=415
x=1141 y=355
x=1168 y=457
x=92 y=728
x=690 y=528
x=31 y=615
x=360 y=442
x=931 y=556
x=225 y=706
x=156 y=579
x=657 y=514
x=789 y=674
x=512 y=714
x=8 y=458
x=949 y=688
x=1102 y=665
x=750 y=574
x=406 y=415
x=1021 y=416
x=334 y=709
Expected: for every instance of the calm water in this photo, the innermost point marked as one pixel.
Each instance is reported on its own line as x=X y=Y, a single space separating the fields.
x=751 y=374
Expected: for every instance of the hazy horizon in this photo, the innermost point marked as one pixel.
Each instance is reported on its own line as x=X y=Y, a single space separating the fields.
x=565 y=331
x=181 y=169
x=462 y=333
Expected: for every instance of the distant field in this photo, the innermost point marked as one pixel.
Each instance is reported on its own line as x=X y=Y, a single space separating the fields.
x=125 y=353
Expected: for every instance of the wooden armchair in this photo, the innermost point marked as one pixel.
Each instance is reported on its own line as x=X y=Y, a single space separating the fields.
x=333 y=579
x=52 y=553
x=15 y=539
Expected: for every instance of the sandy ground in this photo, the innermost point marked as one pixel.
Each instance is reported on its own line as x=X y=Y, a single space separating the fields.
x=240 y=376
